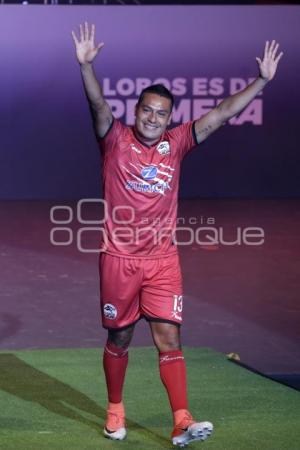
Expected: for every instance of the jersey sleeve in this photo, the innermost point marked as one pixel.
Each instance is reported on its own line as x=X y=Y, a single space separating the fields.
x=185 y=137
x=110 y=139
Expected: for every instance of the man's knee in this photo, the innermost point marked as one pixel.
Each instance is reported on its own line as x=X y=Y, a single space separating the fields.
x=166 y=336
x=168 y=343
x=121 y=338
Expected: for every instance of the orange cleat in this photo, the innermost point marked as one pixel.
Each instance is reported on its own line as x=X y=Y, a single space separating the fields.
x=189 y=431
x=115 y=425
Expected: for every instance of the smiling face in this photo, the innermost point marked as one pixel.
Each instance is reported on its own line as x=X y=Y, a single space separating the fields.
x=153 y=115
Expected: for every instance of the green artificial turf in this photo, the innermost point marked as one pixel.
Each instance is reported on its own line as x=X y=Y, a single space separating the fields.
x=55 y=399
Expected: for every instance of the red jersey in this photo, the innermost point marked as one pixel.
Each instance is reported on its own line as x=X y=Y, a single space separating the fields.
x=140 y=186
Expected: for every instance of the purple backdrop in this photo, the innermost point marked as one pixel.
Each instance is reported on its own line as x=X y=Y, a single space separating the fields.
x=47 y=145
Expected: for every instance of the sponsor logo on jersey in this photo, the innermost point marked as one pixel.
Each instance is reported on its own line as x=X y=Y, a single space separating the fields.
x=110 y=311
x=163 y=148
x=149 y=172
x=140 y=187
x=149 y=178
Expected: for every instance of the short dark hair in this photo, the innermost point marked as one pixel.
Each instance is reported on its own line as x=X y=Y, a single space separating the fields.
x=158 y=89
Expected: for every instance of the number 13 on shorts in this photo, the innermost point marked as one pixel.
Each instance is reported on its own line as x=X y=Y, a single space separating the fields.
x=177 y=306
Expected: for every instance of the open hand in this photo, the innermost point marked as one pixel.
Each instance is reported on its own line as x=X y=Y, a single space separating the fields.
x=268 y=66
x=86 y=50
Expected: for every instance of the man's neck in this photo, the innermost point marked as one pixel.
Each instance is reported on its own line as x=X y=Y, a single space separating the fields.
x=143 y=140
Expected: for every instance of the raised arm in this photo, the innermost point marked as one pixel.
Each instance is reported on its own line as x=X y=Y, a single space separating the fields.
x=234 y=104
x=86 y=52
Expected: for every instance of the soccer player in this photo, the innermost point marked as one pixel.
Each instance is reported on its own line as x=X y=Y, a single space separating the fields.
x=139 y=269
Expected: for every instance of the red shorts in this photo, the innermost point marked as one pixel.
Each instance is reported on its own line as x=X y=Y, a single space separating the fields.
x=131 y=288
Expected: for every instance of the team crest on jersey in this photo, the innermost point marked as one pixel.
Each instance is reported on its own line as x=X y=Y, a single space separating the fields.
x=110 y=311
x=163 y=148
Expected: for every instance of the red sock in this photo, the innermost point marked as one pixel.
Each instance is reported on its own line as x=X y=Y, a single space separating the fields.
x=173 y=375
x=115 y=362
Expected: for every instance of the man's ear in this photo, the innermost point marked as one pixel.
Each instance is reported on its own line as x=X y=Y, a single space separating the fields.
x=170 y=118
x=135 y=109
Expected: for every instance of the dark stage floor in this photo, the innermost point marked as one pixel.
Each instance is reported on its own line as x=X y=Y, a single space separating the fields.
x=238 y=298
